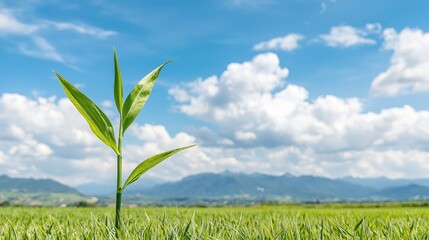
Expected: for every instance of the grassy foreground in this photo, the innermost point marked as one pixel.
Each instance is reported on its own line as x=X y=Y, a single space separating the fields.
x=271 y=222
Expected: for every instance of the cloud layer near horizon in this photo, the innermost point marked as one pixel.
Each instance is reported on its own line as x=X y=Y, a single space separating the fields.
x=47 y=138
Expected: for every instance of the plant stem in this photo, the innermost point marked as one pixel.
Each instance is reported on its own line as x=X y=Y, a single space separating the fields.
x=119 y=182
x=118 y=194
x=118 y=211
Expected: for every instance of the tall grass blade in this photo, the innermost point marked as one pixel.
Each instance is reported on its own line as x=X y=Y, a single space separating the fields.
x=358 y=224
x=97 y=120
x=150 y=163
x=138 y=96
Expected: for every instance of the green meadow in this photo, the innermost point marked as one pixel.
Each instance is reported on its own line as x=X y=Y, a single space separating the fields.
x=393 y=221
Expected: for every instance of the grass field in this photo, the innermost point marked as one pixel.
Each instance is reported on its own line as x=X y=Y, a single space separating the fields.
x=270 y=222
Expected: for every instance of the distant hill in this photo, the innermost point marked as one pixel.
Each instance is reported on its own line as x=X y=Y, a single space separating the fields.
x=302 y=188
x=383 y=182
x=408 y=192
x=39 y=192
x=28 y=185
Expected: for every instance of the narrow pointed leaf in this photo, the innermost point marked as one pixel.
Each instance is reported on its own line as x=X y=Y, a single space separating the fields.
x=138 y=97
x=150 y=163
x=97 y=120
x=119 y=92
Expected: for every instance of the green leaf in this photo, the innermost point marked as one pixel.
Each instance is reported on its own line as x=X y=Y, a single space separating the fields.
x=119 y=92
x=138 y=97
x=97 y=120
x=150 y=163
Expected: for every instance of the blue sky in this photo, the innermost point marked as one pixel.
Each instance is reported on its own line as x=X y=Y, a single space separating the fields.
x=332 y=88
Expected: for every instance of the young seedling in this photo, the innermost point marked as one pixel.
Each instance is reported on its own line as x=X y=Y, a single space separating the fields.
x=128 y=111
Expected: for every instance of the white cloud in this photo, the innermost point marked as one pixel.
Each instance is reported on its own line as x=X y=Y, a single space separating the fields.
x=82 y=29
x=31 y=148
x=373 y=28
x=328 y=135
x=348 y=36
x=107 y=104
x=288 y=43
x=362 y=163
x=392 y=163
x=2 y=158
x=157 y=139
x=409 y=65
x=41 y=49
x=245 y=136
x=9 y=25
x=45 y=137
x=239 y=83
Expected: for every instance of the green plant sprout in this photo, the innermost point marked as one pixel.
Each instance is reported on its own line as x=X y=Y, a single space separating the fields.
x=128 y=111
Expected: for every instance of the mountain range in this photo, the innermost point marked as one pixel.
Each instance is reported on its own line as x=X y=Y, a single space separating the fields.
x=262 y=187
x=226 y=188
x=210 y=185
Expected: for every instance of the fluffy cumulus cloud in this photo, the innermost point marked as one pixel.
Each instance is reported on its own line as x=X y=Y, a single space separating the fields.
x=348 y=36
x=255 y=109
x=43 y=137
x=409 y=65
x=287 y=43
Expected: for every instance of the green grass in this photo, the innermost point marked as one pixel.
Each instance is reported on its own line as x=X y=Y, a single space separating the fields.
x=270 y=222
